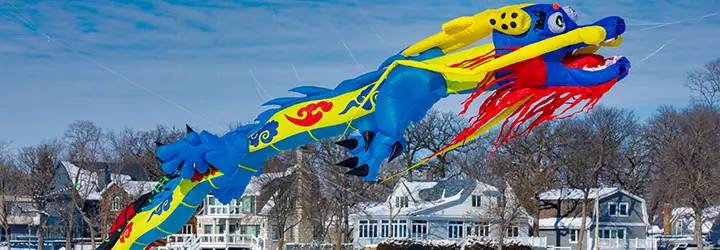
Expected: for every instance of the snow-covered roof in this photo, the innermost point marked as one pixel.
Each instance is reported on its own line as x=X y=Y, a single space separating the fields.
x=569 y=222
x=686 y=215
x=424 y=196
x=89 y=181
x=601 y=193
x=575 y=194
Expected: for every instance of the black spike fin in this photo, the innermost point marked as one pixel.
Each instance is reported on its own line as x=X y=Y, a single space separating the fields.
x=349 y=162
x=368 y=136
x=349 y=143
x=188 y=129
x=396 y=151
x=361 y=171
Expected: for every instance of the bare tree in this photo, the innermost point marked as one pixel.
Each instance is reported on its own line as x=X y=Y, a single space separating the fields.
x=705 y=84
x=433 y=133
x=685 y=149
x=343 y=194
x=39 y=163
x=525 y=164
x=87 y=147
x=587 y=146
x=130 y=146
x=8 y=186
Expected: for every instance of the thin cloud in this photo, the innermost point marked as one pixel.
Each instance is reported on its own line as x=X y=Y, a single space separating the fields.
x=187 y=51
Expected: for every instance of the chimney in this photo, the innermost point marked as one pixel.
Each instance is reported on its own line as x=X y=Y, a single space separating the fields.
x=667 y=219
x=104 y=178
x=427 y=174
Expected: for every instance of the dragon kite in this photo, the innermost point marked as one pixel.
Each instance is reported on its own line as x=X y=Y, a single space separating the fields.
x=541 y=65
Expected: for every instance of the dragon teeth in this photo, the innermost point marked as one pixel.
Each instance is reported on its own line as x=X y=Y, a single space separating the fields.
x=609 y=62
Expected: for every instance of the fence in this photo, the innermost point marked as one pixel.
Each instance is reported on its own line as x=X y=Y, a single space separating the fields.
x=648 y=244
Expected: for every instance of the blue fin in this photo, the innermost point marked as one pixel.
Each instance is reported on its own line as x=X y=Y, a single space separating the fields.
x=310 y=90
x=281 y=101
x=265 y=115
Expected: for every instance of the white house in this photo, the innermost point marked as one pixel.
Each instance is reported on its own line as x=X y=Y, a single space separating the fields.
x=443 y=209
x=237 y=225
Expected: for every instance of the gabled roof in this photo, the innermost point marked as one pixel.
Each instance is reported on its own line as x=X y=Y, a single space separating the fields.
x=576 y=194
x=133 y=188
x=686 y=215
x=426 y=196
x=564 y=223
x=89 y=181
x=602 y=193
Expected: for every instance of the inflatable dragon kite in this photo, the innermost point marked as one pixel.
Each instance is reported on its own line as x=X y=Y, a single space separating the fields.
x=539 y=66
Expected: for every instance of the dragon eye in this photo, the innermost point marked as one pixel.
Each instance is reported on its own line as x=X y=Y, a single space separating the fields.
x=571 y=13
x=556 y=23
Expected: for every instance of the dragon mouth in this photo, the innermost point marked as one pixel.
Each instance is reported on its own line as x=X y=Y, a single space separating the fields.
x=592 y=62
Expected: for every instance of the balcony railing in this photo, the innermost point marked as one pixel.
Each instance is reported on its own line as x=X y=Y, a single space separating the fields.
x=186 y=240
x=648 y=243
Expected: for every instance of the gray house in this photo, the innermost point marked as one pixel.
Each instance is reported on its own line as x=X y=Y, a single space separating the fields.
x=440 y=210
x=622 y=219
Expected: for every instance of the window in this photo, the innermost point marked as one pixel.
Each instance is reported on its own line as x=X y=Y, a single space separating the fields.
x=214 y=207
x=250 y=230
x=618 y=209
x=368 y=229
x=248 y=204
x=612 y=209
x=419 y=229
x=187 y=229
x=401 y=201
x=479 y=229
x=574 y=235
x=678 y=227
x=455 y=229
x=208 y=229
x=275 y=232
x=513 y=232
x=117 y=203
x=476 y=200
x=385 y=229
x=399 y=228
x=612 y=233
x=623 y=209
x=220 y=229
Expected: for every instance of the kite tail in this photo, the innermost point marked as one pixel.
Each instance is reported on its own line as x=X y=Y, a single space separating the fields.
x=524 y=105
x=119 y=224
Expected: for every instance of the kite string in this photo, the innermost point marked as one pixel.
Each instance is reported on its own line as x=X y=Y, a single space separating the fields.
x=337 y=33
x=37 y=28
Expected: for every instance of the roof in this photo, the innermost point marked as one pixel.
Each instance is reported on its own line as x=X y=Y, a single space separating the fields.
x=686 y=214
x=89 y=181
x=426 y=196
x=575 y=194
x=133 y=188
x=601 y=193
x=563 y=223
x=135 y=171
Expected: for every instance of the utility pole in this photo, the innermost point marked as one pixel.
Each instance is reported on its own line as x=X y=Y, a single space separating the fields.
x=597 y=219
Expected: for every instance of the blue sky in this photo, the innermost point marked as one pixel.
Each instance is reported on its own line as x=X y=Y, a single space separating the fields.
x=142 y=63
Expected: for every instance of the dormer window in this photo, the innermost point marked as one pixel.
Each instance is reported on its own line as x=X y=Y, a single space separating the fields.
x=401 y=201
x=476 y=199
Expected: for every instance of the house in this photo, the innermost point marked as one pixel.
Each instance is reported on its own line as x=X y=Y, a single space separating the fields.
x=91 y=183
x=677 y=225
x=622 y=219
x=241 y=224
x=439 y=210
